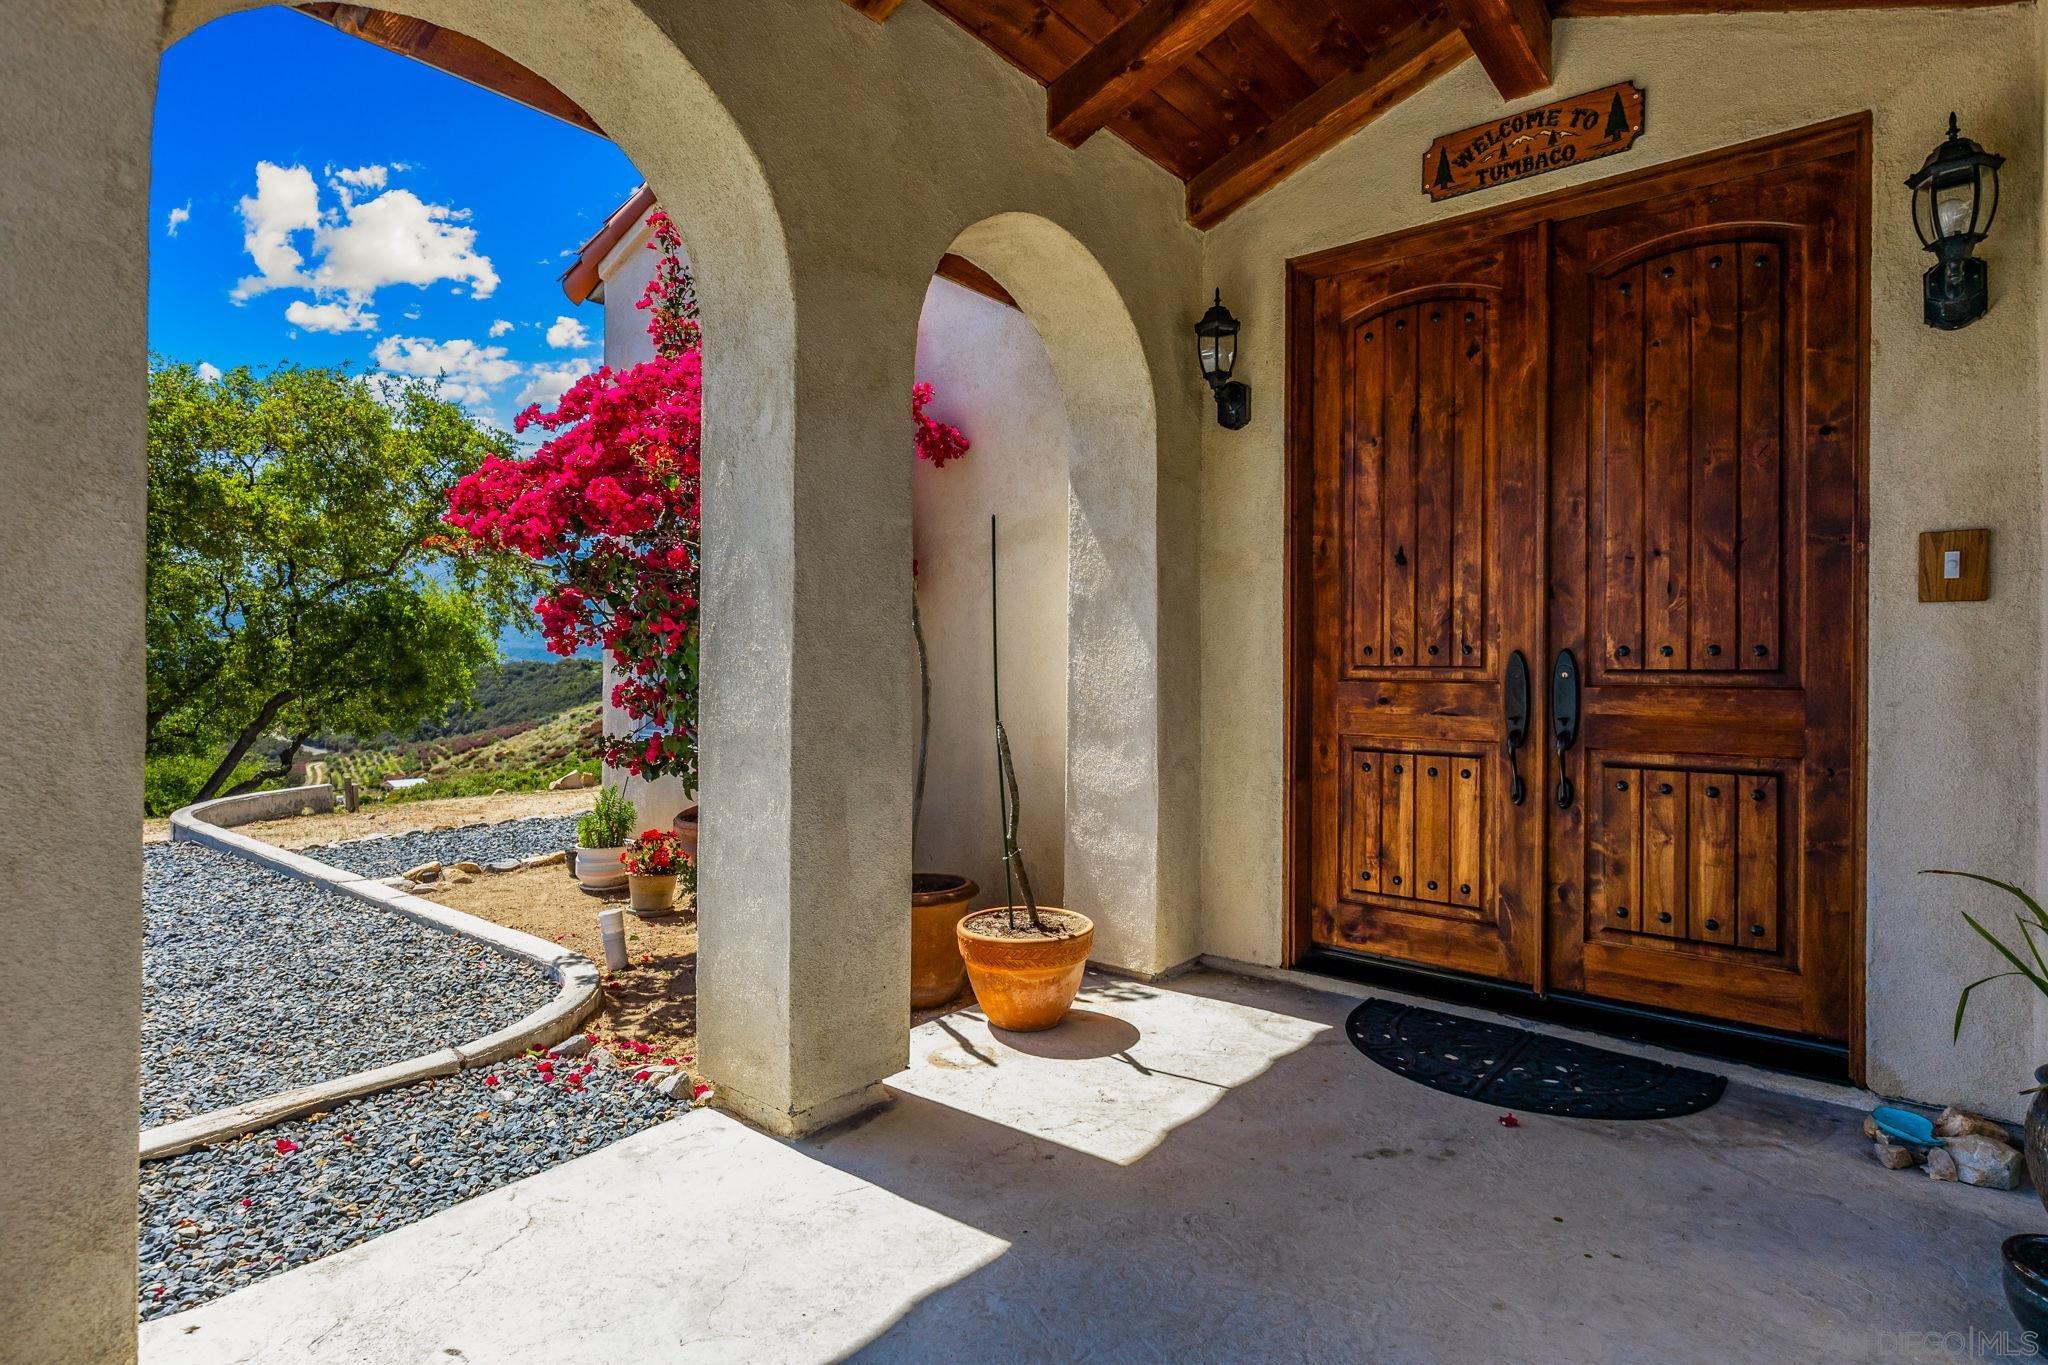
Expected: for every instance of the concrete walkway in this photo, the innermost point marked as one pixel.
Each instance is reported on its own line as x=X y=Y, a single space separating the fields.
x=1200 y=1171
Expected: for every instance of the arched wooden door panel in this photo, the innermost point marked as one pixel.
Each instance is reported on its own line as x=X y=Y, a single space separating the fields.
x=1706 y=354
x=1428 y=493
x=1623 y=422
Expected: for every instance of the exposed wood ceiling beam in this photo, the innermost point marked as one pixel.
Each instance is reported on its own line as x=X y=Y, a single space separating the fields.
x=1137 y=55
x=877 y=10
x=1598 y=9
x=1414 y=59
x=455 y=53
x=968 y=275
x=1511 y=38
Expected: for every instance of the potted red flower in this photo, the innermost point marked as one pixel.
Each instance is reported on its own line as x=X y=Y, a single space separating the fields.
x=656 y=867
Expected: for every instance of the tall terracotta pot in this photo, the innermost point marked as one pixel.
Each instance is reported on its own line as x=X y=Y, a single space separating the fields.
x=685 y=829
x=1026 y=983
x=938 y=902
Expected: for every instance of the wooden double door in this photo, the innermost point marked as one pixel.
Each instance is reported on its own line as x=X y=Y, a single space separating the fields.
x=1578 y=670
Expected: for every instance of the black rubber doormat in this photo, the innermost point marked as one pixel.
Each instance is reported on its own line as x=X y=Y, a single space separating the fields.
x=1513 y=1068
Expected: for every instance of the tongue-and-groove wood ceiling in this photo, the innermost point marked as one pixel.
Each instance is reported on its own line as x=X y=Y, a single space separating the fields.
x=1232 y=96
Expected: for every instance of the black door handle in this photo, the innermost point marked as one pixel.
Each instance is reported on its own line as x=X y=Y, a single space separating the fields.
x=1564 y=718
x=1515 y=705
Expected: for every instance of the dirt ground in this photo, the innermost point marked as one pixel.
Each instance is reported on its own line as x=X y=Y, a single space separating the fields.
x=653 y=1001
x=399 y=817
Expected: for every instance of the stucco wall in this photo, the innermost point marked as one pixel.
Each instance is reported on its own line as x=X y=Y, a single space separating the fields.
x=994 y=381
x=1955 y=441
x=75 y=84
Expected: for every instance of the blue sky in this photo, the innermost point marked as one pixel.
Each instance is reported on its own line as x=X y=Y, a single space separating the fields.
x=401 y=219
x=319 y=201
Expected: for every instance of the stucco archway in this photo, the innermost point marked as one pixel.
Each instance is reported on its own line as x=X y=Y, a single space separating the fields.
x=1113 y=674
x=70 y=1288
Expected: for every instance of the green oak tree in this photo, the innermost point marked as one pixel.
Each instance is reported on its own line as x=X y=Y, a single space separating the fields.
x=296 y=582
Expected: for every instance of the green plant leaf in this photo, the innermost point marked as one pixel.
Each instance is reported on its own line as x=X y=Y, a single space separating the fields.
x=2033 y=906
x=1964 y=1003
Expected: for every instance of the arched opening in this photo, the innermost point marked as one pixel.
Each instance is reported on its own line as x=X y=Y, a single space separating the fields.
x=1107 y=422
x=992 y=378
x=743 y=281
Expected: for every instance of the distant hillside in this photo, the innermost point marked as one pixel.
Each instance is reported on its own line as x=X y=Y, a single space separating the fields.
x=521 y=755
x=517 y=692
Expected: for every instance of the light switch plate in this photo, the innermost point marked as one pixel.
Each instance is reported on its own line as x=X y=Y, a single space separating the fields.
x=1955 y=566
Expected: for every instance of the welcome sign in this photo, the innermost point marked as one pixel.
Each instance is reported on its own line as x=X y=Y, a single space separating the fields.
x=1547 y=138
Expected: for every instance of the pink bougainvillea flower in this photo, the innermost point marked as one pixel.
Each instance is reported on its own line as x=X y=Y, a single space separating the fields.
x=699 y=1091
x=491 y=1081
x=285 y=1146
x=247 y=1203
x=612 y=504
x=642 y=1075
x=668 y=1061
x=1509 y=1121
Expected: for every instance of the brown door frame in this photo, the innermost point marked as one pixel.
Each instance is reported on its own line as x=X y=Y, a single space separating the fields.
x=1848 y=134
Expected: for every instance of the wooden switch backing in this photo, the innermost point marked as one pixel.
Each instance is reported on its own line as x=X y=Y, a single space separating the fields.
x=1974 y=584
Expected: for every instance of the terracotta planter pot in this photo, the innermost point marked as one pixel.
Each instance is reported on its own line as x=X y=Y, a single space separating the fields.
x=685 y=829
x=654 y=893
x=601 y=869
x=1025 y=984
x=938 y=902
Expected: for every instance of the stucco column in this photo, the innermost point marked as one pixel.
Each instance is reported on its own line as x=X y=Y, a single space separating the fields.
x=76 y=85
x=806 y=720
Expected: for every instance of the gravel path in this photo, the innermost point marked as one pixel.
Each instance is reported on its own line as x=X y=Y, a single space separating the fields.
x=220 y=1218
x=254 y=982
x=387 y=857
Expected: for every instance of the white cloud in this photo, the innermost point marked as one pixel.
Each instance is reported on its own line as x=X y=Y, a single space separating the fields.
x=467 y=372
x=208 y=371
x=178 y=217
x=398 y=239
x=568 y=334
x=356 y=247
x=500 y=328
x=286 y=202
x=550 y=382
x=349 y=316
x=363 y=177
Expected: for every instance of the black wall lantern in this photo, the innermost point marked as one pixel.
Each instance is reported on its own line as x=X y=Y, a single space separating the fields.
x=1216 y=348
x=1955 y=197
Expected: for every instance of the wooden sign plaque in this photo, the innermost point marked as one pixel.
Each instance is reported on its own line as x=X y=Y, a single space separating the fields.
x=1547 y=138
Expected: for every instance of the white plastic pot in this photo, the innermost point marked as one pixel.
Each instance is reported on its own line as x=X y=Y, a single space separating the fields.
x=600 y=869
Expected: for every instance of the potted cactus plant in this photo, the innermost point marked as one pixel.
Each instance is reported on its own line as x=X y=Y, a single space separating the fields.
x=656 y=862
x=1025 y=960
x=601 y=838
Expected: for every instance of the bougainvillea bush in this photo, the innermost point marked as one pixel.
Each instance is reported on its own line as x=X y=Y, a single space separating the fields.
x=612 y=503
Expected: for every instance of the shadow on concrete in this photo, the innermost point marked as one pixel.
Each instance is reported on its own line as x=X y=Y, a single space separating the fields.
x=1324 y=1209
x=1083 y=1034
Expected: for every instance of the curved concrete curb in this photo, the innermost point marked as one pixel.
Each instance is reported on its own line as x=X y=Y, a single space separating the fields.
x=574 y=1002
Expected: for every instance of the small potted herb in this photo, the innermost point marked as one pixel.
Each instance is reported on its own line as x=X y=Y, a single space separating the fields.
x=601 y=840
x=656 y=863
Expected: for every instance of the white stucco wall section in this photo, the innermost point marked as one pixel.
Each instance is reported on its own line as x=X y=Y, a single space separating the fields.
x=1955 y=691
x=994 y=381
